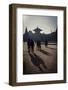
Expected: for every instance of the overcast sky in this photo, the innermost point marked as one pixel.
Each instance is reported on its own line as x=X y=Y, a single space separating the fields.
x=47 y=23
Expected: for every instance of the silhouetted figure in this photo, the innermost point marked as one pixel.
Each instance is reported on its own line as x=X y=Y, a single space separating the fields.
x=46 y=43
x=38 y=45
x=28 y=44
x=32 y=45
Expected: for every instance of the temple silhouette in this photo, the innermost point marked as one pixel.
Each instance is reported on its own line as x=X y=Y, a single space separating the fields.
x=51 y=37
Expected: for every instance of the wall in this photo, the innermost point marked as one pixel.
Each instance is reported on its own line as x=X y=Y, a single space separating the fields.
x=4 y=44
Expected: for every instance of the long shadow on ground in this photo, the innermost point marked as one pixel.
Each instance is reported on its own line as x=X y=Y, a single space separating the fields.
x=37 y=61
x=45 y=52
x=51 y=48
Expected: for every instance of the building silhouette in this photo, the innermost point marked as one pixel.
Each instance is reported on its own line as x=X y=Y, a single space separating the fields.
x=52 y=37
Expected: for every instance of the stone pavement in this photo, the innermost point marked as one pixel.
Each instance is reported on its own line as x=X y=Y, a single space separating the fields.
x=43 y=61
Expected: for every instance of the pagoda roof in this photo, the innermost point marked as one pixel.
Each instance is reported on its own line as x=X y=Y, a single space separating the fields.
x=37 y=29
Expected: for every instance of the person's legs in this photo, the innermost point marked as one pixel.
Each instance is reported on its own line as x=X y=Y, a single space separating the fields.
x=38 y=47
x=32 y=49
x=28 y=49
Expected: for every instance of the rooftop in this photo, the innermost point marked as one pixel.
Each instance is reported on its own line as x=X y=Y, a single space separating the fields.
x=37 y=29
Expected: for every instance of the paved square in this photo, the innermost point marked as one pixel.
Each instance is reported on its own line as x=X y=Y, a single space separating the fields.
x=43 y=61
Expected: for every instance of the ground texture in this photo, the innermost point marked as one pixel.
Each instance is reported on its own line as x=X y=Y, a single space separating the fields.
x=43 y=61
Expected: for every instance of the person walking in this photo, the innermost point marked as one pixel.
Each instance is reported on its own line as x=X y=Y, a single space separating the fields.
x=32 y=45
x=28 y=45
x=38 y=45
x=46 y=43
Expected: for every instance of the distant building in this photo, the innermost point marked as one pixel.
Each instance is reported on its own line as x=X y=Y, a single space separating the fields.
x=52 y=37
x=37 y=34
x=37 y=30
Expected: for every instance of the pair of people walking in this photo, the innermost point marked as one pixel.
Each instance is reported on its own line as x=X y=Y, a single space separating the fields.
x=30 y=44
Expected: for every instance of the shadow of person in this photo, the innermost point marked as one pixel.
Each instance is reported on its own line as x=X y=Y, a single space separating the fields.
x=45 y=52
x=37 y=61
x=51 y=48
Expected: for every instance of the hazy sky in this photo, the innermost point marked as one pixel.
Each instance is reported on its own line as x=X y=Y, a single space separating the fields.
x=47 y=23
